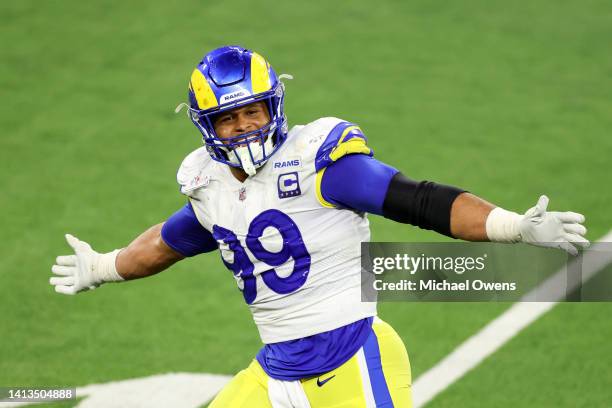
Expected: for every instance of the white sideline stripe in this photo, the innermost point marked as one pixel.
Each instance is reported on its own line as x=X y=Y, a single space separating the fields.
x=503 y=328
x=180 y=390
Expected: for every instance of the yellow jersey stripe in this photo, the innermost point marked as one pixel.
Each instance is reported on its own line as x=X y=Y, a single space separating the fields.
x=352 y=146
x=346 y=132
x=318 y=180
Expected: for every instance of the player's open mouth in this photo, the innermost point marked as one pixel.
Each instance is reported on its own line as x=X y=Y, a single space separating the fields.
x=258 y=136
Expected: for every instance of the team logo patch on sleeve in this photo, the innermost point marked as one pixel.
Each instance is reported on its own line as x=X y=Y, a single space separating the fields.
x=197 y=182
x=288 y=185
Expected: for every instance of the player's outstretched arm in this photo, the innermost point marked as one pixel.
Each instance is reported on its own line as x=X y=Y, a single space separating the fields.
x=459 y=214
x=474 y=219
x=448 y=210
x=87 y=269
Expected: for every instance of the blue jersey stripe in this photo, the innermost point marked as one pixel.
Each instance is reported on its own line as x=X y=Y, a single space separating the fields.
x=314 y=355
x=382 y=397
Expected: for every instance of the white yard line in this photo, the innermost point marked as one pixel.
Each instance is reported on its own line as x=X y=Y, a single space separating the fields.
x=499 y=331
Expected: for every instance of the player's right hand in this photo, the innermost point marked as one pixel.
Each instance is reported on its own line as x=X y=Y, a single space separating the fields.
x=75 y=273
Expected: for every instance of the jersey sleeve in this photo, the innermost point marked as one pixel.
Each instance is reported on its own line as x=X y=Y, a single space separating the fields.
x=358 y=182
x=184 y=233
x=192 y=173
x=347 y=174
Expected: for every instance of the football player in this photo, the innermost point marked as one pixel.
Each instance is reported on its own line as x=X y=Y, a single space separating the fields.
x=287 y=211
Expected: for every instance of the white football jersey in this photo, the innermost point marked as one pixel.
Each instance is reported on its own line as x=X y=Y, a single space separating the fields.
x=295 y=257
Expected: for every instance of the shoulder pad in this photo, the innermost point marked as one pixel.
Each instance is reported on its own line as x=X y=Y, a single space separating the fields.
x=190 y=175
x=322 y=126
x=344 y=138
x=305 y=140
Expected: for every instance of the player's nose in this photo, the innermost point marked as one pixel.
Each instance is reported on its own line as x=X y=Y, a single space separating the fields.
x=243 y=124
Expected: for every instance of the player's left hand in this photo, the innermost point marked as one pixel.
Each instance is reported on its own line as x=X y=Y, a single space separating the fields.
x=85 y=270
x=553 y=229
x=75 y=272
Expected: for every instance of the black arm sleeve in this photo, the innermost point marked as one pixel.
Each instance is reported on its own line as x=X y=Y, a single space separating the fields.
x=424 y=204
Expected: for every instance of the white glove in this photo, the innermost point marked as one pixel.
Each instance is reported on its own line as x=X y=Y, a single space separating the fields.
x=539 y=227
x=86 y=269
x=553 y=229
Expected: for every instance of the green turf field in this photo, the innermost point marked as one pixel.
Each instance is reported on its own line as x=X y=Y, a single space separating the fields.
x=506 y=100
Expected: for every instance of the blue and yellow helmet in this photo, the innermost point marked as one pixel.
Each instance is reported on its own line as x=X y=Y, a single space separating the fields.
x=227 y=78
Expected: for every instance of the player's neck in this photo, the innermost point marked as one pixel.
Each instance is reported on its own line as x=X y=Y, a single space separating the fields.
x=239 y=174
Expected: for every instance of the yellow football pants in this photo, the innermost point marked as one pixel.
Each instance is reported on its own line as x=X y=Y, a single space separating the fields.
x=378 y=375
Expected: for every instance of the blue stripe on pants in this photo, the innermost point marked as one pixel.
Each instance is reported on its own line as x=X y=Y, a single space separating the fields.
x=377 y=377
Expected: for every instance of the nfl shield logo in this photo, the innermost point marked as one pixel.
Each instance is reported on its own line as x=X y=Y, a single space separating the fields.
x=242 y=194
x=288 y=185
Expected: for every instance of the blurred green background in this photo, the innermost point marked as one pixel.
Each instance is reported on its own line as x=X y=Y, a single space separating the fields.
x=507 y=100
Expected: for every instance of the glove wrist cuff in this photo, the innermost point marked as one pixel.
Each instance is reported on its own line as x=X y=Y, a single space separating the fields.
x=105 y=270
x=503 y=226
